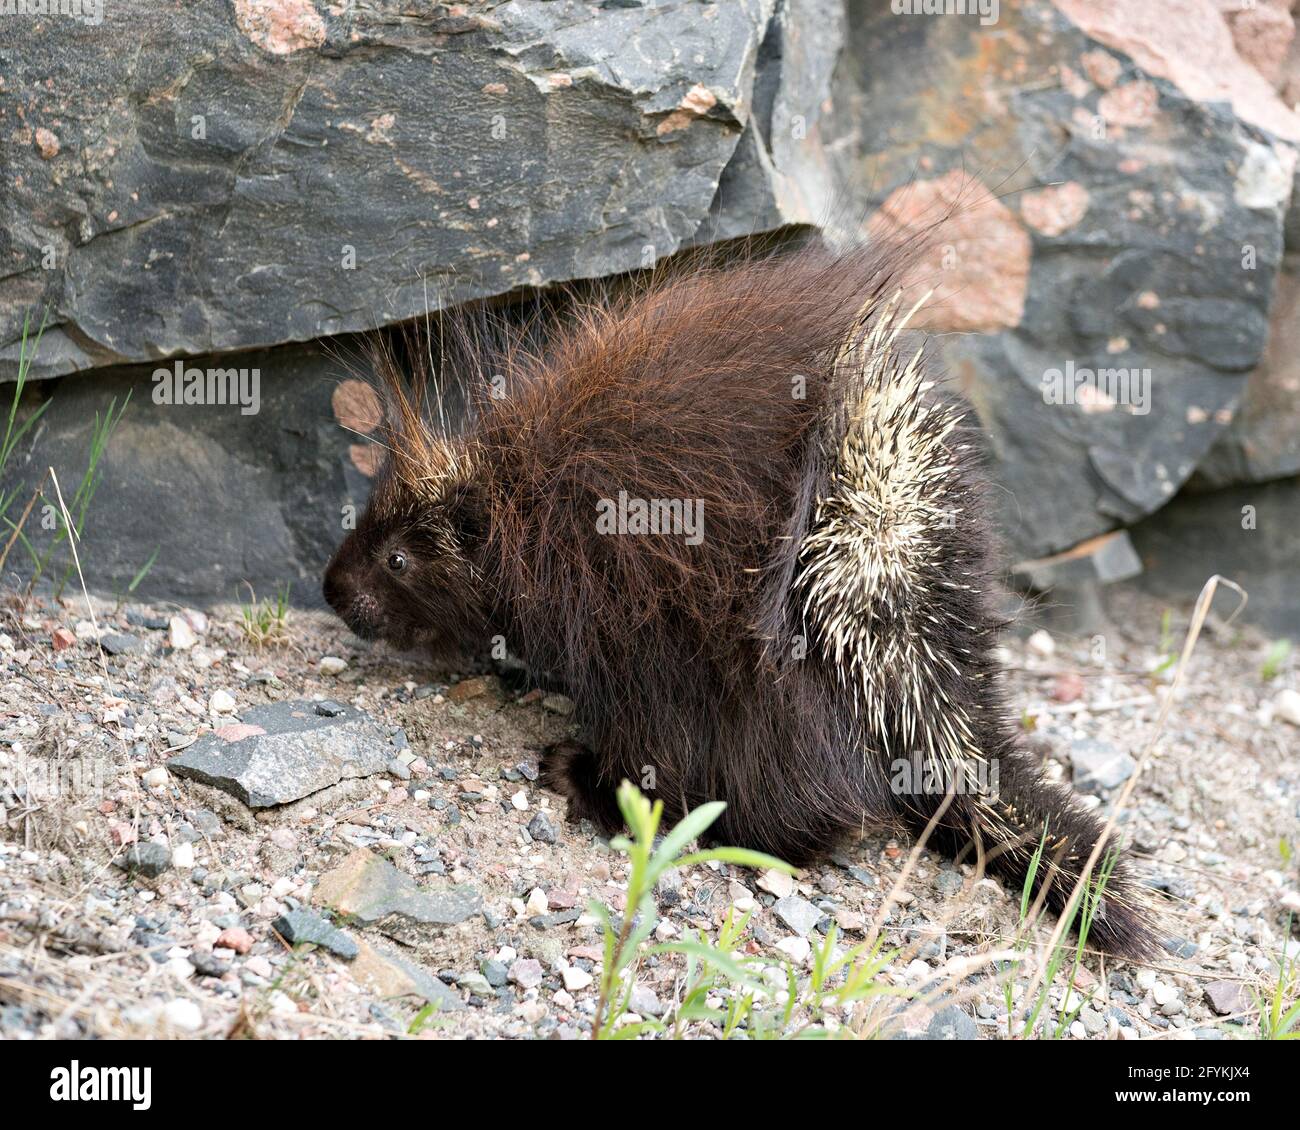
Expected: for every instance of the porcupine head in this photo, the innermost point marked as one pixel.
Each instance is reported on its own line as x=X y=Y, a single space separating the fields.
x=410 y=573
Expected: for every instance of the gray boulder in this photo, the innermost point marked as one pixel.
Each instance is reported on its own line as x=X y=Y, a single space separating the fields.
x=1110 y=214
x=248 y=175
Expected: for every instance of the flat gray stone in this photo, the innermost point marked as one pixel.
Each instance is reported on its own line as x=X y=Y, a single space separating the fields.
x=542 y=830
x=296 y=753
x=299 y=927
x=389 y=974
x=1105 y=559
x=797 y=913
x=120 y=643
x=1229 y=998
x=1099 y=766
x=951 y=1023
x=372 y=892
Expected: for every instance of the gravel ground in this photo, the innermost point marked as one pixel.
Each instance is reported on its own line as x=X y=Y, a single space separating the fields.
x=134 y=901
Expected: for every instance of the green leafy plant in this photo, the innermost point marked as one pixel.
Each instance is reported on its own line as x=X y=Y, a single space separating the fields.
x=15 y=430
x=1277 y=655
x=764 y=997
x=267 y=621
x=1279 y=1012
x=771 y=1000
x=646 y=865
x=427 y=1017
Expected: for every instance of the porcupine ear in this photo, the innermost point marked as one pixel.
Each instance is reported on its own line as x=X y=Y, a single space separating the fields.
x=419 y=454
x=467 y=510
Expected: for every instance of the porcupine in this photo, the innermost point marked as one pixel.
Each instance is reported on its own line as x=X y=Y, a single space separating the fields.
x=819 y=657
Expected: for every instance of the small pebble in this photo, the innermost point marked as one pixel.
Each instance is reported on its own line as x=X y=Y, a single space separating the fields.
x=526 y=973
x=575 y=979
x=1286 y=706
x=1041 y=644
x=221 y=702
x=541 y=829
x=180 y=636
x=796 y=949
x=183 y=1015
x=235 y=938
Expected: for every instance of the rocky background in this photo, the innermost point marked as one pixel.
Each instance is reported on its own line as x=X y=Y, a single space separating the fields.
x=246 y=183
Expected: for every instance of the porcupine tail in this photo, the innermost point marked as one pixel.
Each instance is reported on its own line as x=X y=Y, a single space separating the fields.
x=894 y=583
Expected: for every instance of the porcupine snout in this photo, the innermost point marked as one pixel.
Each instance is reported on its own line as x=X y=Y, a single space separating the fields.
x=355 y=606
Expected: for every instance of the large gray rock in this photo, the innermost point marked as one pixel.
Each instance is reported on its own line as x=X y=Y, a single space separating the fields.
x=1248 y=533
x=181 y=180
x=780 y=173
x=225 y=498
x=1137 y=225
x=1263 y=440
x=284 y=751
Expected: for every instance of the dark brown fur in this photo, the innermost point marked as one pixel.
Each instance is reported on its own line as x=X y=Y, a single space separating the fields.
x=685 y=662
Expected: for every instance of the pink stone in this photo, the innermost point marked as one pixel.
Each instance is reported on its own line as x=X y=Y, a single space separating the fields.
x=1194 y=51
x=237 y=730
x=280 y=27
x=1067 y=687
x=46 y=143
x=978 y=263
x=1133 y=104
x=235 y=938
x=1055 y=209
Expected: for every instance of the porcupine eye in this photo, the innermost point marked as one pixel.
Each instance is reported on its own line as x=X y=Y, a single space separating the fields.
x=397 y=562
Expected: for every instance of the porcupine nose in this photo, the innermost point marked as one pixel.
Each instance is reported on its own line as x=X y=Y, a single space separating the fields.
x=363 y=615
x=357 y=609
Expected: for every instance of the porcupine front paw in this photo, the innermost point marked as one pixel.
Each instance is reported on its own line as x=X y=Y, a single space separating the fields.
x=570 y=769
